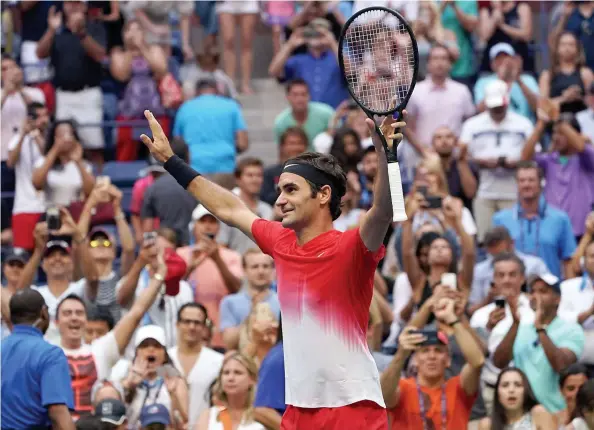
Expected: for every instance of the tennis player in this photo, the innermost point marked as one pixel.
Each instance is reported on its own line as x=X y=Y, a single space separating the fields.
x=325 y=280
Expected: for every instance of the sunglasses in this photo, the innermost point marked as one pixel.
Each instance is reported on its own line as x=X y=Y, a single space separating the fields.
x=100 y=243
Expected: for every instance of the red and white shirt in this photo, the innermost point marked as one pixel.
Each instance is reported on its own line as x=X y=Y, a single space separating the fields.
x=325 y=289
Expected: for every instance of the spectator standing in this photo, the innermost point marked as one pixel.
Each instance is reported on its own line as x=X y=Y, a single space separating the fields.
x=537 y=227
x=522 y=87
x=249 y=176
x=586 y=117
x=62 y=173
x=256 y=293
x=318 y=67
x=76 y=50
x=461 y=17
x=206 y=67
x=24 y=151
x=568 y=78
x=313 y=117
x=166 y=201
x=568 y=168
x=214 y=129
x=579 y=20
x=293 y=141
x=245 y=14
x=545 y=347
x=213 y=270
x=495 y=139
x=508 y=22
x=451 y=401
x=498 y=241
x=36 y=390
x=452 y=103
x=198 y=364
x=348 y=116
x=148 y=176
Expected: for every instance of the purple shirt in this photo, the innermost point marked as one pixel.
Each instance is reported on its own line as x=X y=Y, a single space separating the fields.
x=570 y=184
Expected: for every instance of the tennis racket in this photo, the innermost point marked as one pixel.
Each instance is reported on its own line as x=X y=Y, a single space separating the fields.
x=379 y=59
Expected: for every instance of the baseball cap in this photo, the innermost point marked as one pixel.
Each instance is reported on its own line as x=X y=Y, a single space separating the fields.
x=154 y=414
x=153 y=167
x=55 y=244
x=549 y=279
x=111 y=411
x=16 y=256
x=501 y=48
x=435 y=338
x=150 y=332
x=200 y=212
x=496 y=94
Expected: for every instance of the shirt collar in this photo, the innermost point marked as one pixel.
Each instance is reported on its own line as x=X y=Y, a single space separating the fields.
x=27 y=329
x=436 y=87
x=541 y=207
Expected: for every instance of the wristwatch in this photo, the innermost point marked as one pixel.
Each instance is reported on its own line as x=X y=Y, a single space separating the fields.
x=542 y=328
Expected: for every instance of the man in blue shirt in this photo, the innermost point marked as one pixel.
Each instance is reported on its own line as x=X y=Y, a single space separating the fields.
x=214 y=129
x=269 y=405
x=536 y=227
x=36 y=391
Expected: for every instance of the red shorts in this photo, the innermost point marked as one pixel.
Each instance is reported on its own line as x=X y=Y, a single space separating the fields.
x=364 y=415
x=22 y=230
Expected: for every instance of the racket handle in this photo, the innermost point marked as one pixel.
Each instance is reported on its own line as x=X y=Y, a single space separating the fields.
x=396 y=192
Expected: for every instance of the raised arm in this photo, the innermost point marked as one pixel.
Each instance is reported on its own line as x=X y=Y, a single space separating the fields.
x=222 y=203
x=452 y=210
x=376 y=221
x=505 y=350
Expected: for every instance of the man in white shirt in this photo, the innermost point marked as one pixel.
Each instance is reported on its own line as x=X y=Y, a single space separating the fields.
x=199 y=365
x=23 y=152
x=577 y=302
x=92 y=362
x=586 y=117
x=58 y=260
x=493 y=320
x=496 y=241
x=495 y=139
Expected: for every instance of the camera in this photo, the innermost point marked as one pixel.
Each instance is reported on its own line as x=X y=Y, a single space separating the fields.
x=53 y=219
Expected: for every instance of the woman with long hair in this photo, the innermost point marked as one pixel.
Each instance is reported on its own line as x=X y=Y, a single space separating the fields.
x=346 y=147
x=62 y=173
x=515 y=407
x=584 y=408
x=235 y=392
x=151 y=378
x=570 y=380
x=568 y=79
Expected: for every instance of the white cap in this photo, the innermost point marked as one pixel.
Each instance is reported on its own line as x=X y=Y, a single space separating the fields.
x=496 y=94
x=199 y=212
x=547 y=278
x=501 y=48
x=150 y=332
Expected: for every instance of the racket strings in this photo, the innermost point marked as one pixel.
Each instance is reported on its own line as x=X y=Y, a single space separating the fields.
x=379 y=60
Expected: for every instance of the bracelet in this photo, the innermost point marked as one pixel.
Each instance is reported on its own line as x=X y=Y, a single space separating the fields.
x=452 y=324
x=180 y=171
x=541 y=329
x=119 y=217
x=158 y=277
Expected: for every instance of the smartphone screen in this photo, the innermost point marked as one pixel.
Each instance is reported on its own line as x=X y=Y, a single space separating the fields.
x=500 y=302
x=449 y=280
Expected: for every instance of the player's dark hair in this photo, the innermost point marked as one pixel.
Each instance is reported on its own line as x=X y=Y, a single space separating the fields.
x=295 y=82
x=571 y=370
x=100 y=313
x=330 y=166
x=498 y=416
x=70 y=297
x=527 y=165
x=510 y=256
x=496 y=235
x=294 y=131
x=191 y=305
x=26 y=306
x=247 y=162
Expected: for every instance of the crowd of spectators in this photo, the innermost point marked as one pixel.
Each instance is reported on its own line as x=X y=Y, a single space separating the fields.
x=160 y=316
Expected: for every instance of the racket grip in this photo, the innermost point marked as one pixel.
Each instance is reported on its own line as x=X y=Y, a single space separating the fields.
x=396 y=192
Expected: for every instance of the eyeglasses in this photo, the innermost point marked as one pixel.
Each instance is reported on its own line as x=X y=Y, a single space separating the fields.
x=100 y=243
x=188 y=322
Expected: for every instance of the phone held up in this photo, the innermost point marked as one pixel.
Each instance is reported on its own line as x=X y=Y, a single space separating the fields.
x=149 y=238
x=500 y=302
x=53 y=219
x=168 y=371
x=449 y=280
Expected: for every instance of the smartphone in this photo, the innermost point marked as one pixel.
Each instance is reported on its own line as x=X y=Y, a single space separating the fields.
x=449 y=280
x=423 y=190
x=310 y=33
x=501 y=161
x=168 y=371
x=53 y=219
x=500 y=302
x=211 y=236
x=434 y=202
x=430 y=335
x=149 y=238
x=103 y=181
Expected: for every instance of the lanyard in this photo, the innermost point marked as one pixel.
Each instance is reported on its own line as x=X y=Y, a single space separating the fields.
x=444 y=417
x=522 y=246
x=148 y=387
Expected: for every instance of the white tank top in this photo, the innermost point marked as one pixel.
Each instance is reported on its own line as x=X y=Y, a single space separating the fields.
x=215 y=424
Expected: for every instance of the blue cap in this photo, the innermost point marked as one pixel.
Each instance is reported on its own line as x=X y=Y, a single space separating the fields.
x=154 y=414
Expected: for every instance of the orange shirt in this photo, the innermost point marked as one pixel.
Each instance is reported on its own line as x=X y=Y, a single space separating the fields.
x=407 y=414
x=209 y=286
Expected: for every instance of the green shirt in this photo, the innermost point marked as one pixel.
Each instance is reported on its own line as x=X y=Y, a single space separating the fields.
x=318 y=117
x=465 y=66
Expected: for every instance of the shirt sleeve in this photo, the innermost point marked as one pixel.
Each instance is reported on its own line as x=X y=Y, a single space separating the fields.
x=136 y=201
x=266 y=233
x=226 y=317
x=479 y=90
x=573 y=340
x=238 y=121
x=270 y=392
x=290 y=69
x=466 y=134
x=13 y=142
x=106 y=353
x=587 y=157
x=468 y=7
x=567 y=242
x=56 y=387
x=469 y=109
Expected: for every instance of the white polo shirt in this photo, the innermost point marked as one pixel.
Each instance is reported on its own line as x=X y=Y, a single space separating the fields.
x=577 y=295
x=486 y=139
x=26 y=198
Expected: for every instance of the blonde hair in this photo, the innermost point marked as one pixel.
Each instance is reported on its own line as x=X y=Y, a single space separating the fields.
x=433 y=165
x=252 y=370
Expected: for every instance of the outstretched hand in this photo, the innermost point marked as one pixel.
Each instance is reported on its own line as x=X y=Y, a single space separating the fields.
x=388 y=129
x=159 y=146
